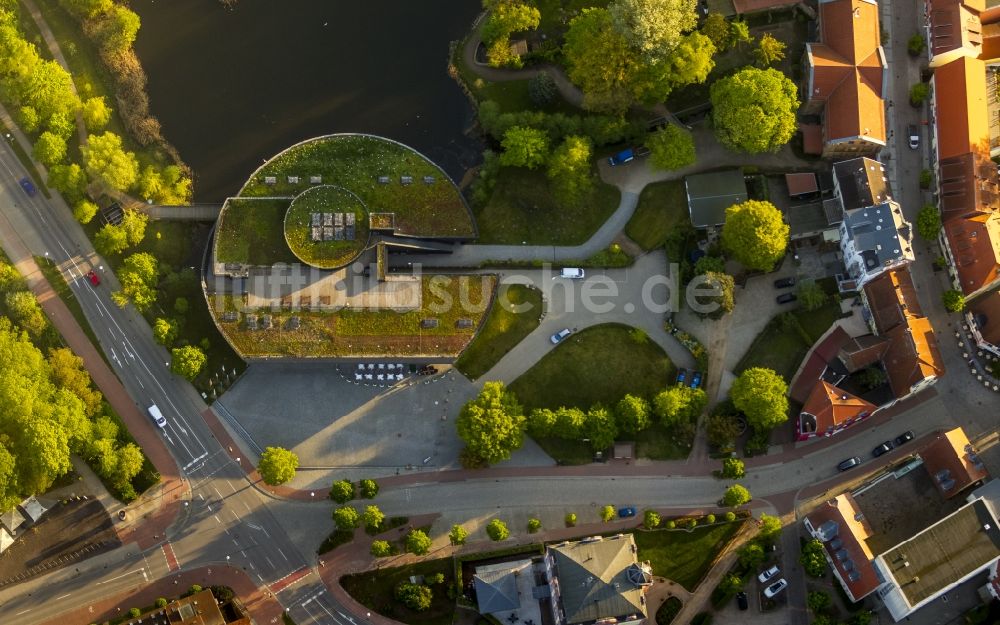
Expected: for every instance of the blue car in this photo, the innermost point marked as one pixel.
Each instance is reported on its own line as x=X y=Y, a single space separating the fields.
x=681 y=376
x=28 y=186
x=696 y=379
x=626 y=512
x=622 y=157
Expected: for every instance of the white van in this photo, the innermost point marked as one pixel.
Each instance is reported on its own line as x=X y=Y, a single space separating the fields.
x=573 y=273
x=157 y=416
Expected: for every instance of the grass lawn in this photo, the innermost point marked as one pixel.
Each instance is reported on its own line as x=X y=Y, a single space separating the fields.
x=503 y=329
x=660 y=443
x=356 y=162
x=298 y=226
x=662 y=208
x=683 y=556
x=523 y=210
x=251 y=231
x=371 y=332
x=782 y=347
x=600 y=364
x=374 y=590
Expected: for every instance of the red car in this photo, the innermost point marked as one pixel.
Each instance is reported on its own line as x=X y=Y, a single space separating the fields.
x=94 y=279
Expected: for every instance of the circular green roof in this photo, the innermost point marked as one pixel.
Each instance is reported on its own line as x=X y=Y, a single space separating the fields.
x=326 y=226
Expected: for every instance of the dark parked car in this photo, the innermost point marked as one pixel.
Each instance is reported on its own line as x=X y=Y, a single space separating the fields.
x=850 y=463
x=626 y=512
x=28 y=186
x=741 y=600
x=696 y=379
x=784 y=283
x=884 y=448
x=681 y=376
x=904 y=438
x=786 y=298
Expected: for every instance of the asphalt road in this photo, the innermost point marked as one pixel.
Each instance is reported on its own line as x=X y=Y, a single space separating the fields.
x=226 y=521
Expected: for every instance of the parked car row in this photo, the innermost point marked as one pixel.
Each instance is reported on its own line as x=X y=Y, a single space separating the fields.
x=880 y=450
x=682 y=378
x=785 y=283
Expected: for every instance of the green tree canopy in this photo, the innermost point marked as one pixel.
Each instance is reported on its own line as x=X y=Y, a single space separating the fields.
x=677 y=404
x=417 y=597
x=607 y=513
x=49 y=149
x=720 y=295
x=342 y=491
x=133 y=224
x=569 y=170
x=107 y=161
x=752 y=555
x=632 y=414
x=769 y=50
x=599 y=61
x=754 y=110
x=716 y=28
x=187 y=361
x=418 y=542
x=457 y=535
x=651 y=519
x=929 y=222
x=755 y=233
x=653 y=27
x=23 y=309
x=811 y=295
x=110 y=239
x=953 y=300
x=736 y=495
x=497 y=530
x=368 y=488
x=138 y=276
x=600 y=428
x=761 y=395
x=277 y=465
x=733 y=468
x=67 y=371
x=691 y=61
x=373 y=517
x=813 y=559
x=381 y=548
x=164 y=331
x=84 y=211
x=492 y=424
x=346 y=518
x=671 y=147
x=117 y=28
x=69 y=180
x=96 y=113
x=524 y=147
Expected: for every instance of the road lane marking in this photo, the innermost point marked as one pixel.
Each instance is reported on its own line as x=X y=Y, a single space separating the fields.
x=288 y=580
x=237 y=516
x=120 y=576
x=23 y=612
x=64 y=596
x=245 y=505
x=269 y=563
x=282 y=553
x=218 y=493
x=217 y=519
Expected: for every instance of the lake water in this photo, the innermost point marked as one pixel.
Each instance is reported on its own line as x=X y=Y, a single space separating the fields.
x=232 y=87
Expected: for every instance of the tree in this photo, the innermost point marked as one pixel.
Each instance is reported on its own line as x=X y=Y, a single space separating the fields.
x=722 y=430
x=632 y=414
x=418 y=542
x=69 y=180
x=110 y=239
x=417 y=597
x=373 y=517
x=739 y=32
x=736 y=495
x=754 y=110
x=953 y=300
x=761 y=395
x=497 y=530
x=769 y=50
x=607 y=514
x=117 y=28
x=599 y=61
x=96 y=113
x=542 y=89
x=164 y=331
x=67 y=371
x=524 y=147
x=929 y=222
x=187 y=361
x=671 y=147
x=812 y=558
x=492 y=424
x=84 y=211
x=919 y=94
x=811 y=295
x=346 y=518
x=710 y=263
x=653 y=27
x=730 y=516
x=677 y=404
x=755 y=233
x=818 y=602
x=23 y=309
x=926 y=178
x=133 y=224
x=49 y=149
x=752 y=555
x=600 y=428
x=277 y=465
x=730 y=584
x=720 y=297
x=506 y=17
x=138 y=276
x=570 y=519
x=130 y=460
x=872 y=377
x=916 y=44
x=651 y=519
x=733 y=468
x=107 y=162
x=87 y=8
x=534 y=525
x=381 y=548
x=569 y=170
x=457 y=535
x=368 y=488
x=716 y=28
x=342 y=491
x=689 y=63
x=770 y=527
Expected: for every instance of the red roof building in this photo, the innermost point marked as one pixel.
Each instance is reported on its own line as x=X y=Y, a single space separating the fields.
x=843 y=530
x=830 y=410
x=846 y=78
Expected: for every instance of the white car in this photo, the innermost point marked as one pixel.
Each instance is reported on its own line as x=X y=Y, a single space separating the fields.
x=560 y=335
x=157 y=416
x=572 y=273
x=775 y=588
x=768 y=574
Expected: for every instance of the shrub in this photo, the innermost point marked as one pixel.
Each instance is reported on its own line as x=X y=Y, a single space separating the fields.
x=733 y=468
x=381 y=548
x=195 y=588
x=919 y=94
x=342 y=491
x=812 y=558
x=368 y=488
x=436 y=578
x=710 y=519
x=414 y=596
x=534 y=525
x=134 y=612
x=692 y=523
x=730 y=516
x=916 y=44
x=607 y=513
x=651 y=519
x=926 y=177
x=736 y=495
x=953 y=300
x=497 y=530
x=818 y=602
x=570 y=519
x=417 y=542
x=161 y=602
x=671 y=524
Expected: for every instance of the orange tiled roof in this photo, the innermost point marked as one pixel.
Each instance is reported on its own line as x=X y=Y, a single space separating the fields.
x=991 y=39
x=985 y=310
x=913 y=356
x=955 y=24
x=863 y=351
x=975 y=246
x=951 y=462
x=968 y=183
x=831 y=406
x=960 y=99
x=841 y=522
x=847 y=70
x=892 y=298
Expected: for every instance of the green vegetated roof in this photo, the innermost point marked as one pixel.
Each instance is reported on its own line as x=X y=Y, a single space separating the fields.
x=318 y=230
x=427 y=205
x=251 y=231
